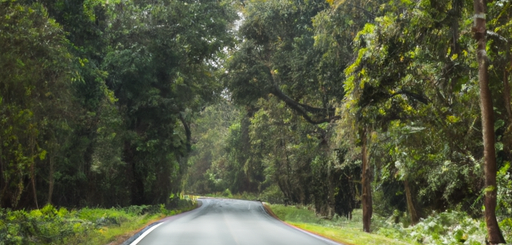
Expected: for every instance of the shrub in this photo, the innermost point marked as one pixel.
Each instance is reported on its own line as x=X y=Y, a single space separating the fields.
x=44 y=226
x=227 y=193
x=272 y=195
x=449 y=227
x=49 y=225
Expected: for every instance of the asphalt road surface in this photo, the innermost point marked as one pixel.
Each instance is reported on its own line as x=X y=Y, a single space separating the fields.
x=226 y=222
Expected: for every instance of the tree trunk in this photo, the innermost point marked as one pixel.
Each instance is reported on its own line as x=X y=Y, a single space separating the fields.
x=137 y=183
x=506 y=96
x=51 y=179
x=33 y=172
x=413 y=212
x=493 y=230
x=188 y=133
x=330 y=194
x=366 y=197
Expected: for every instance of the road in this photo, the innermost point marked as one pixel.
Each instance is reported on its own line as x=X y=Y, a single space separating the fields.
x=226 y=222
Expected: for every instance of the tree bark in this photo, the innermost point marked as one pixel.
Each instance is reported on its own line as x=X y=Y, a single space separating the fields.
x=490 y=191
x=137 y=182
x=33 y=171
x=506 y=96
x=51 y=179
x=366 y=197
x=188 y=133
x=413 y=212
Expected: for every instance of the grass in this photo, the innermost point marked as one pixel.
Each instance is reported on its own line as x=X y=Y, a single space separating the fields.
x=50 y=225
x=346 y=235
x=338 y=229
x=130 y=223
x=228 y=195
x=115 y=235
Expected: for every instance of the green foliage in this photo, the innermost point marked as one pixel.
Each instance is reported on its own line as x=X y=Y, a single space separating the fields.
x=301 y=214
x=161 y=69
x=504 y=209
x=34 y=87
x=208 y=163
x=277 y=56
x=97 y=97
x=45 y=226
x=227 y=193
x=272 y=194
x=414 y=99
x=338 y=229
x=449 y=227
x=118 y=103
x=50 y=225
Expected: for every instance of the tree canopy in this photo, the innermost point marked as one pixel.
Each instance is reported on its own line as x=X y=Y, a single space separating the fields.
x=389 y=106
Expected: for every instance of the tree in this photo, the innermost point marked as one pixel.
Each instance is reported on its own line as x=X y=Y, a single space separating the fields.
x=393 y=81
x=208 y=160
x=276 y=56
x=490 y=187
x=34 y=92
x=161 y=68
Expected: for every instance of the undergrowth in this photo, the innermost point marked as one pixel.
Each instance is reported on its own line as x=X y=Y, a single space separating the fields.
x=339 y=229
x=271 y=194
x=450 y=227
x=51 y=225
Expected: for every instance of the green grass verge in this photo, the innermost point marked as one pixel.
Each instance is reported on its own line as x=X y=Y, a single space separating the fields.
x=338 y=229
x=117 y=234
x=346 y=235
x=50 y=225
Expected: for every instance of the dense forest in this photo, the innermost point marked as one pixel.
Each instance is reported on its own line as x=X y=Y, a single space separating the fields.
x=389 y=106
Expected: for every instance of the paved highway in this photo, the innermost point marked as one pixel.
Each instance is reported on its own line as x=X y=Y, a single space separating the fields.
x=226 y=222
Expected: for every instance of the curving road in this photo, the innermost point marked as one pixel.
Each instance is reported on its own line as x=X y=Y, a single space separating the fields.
x=226 y=222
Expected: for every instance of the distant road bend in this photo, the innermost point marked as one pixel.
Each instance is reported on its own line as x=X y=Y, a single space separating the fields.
x=226 y=222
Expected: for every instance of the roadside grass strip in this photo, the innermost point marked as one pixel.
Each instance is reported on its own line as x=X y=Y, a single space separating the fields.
x=346 y=236
x=341 y=230
x=50 y=225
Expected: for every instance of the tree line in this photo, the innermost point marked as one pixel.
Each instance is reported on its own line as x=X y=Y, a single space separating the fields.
x=340 y=104
x=96 y=97
x=372 y=104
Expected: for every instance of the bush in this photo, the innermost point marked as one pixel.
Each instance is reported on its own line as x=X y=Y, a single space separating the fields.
x=43 y=226
x=272 y=195
x=449 y=227
x=227 y=193
x=301 y=214
x=49 y=225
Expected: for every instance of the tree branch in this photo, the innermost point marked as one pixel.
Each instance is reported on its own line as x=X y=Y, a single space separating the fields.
x=304 y=109
x=413 y=95
x=188 y=133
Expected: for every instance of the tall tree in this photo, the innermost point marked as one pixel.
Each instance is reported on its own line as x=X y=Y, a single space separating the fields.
x=161 y=68
x=276 y=56
x=490 y=187
x=34 y=94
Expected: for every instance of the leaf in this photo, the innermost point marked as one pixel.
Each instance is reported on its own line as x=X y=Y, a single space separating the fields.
x=42 y=155
x=498 y=124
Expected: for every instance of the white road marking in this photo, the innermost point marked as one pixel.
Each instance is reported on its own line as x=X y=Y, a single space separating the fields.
x=145 y=234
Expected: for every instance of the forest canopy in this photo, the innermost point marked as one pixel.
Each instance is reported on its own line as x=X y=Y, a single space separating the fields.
x=389 y=106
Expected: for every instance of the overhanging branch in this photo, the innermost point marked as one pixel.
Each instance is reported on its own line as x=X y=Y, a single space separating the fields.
x=326 y=113
x=410 y=94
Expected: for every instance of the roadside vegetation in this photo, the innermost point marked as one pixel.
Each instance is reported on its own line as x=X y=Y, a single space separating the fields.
x=51 y=225
x=338 y=229
x=449 y=227
x=373 y=105
x=389 y=106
